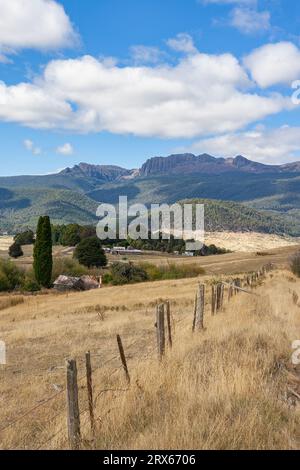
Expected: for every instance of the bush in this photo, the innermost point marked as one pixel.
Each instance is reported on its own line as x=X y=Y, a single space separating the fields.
x=295 y=265
x=25 y=238
x=30 y=285
x=11 y=277
x=15 y=250
x=89 y=253
x=69 y=267
x=172 y=271
x=127 y=273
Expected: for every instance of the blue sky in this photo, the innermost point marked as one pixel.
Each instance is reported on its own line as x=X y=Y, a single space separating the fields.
x=118 y=81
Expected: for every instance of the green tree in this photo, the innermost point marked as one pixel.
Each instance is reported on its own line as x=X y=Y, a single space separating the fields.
x=89 y=252
x=71 y=235
x=42 y=252
x=25 y=238
x=15 y=250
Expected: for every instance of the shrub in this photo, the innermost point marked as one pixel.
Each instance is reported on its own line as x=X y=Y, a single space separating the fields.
x=89 y=253
x=30 y=285
x=172 y=271
x=69 y=267
x=11 y=277
x=25 y=238
x=127 y=273
x=15 y=250
x=42 y=252
x=295 y=264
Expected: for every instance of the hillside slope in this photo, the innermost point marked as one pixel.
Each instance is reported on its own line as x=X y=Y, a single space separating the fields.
x=73 y=194
x=21 y=208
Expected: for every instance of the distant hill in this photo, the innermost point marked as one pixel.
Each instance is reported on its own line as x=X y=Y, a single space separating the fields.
x=233 y=217
x=73 y=194
x=21 y=208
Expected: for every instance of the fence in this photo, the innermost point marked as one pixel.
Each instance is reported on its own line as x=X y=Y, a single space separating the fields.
x=71 y=408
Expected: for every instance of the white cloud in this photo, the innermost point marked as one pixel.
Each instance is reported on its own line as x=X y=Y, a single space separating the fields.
x=146 y=54
x=274 y=64
x=183 y=42
x=245 y=16
x=65 y=149
x=249 y=20
x=201 y=94
x=31 y=147
x=264 y=145
x=38 y=24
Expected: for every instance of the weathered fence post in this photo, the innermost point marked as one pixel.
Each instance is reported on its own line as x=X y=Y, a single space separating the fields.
x=199 y=308
x=160 y=325
x=73 y=415
x=230 y=291
x=123 y=358
x=219 y=296
x=89 y=385
x=168 y=315
x=213 y=299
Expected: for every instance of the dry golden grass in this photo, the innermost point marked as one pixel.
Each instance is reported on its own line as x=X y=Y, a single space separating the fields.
x=249 y=241
x=224 y=388
x=10 y=301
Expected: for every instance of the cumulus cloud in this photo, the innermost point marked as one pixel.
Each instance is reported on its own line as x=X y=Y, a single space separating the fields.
x=31 y=147
x=273 y=64
x=66 y=149
x=146 y=54
x=38 y=24
x=245 y=16
x=264 y=145
x=183 y=42
x=200 y=94
x=249 y=20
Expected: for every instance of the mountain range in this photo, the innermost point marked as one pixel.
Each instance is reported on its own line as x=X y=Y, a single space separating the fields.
x=73 y=194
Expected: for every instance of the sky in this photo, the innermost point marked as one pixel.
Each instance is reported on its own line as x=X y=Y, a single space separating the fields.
x=119 y=81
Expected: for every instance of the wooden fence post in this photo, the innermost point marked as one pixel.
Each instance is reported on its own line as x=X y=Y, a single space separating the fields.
x=195 y=308
x=89 y=385
x=213 y=299
x=230 y=291
x=73 y=416
x=219 y=296
x=123 y=358
x=199 y=309
x=168 y=315
x=160 y=325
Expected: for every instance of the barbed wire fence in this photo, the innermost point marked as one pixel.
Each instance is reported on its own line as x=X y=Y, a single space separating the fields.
x=70 y=435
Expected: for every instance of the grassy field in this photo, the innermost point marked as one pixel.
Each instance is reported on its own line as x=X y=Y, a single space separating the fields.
x=225 y=388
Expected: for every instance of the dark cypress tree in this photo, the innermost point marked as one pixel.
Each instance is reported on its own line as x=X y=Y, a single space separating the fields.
x=42 y=253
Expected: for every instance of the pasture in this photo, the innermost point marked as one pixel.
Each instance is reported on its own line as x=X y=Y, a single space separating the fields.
x=227 y=387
